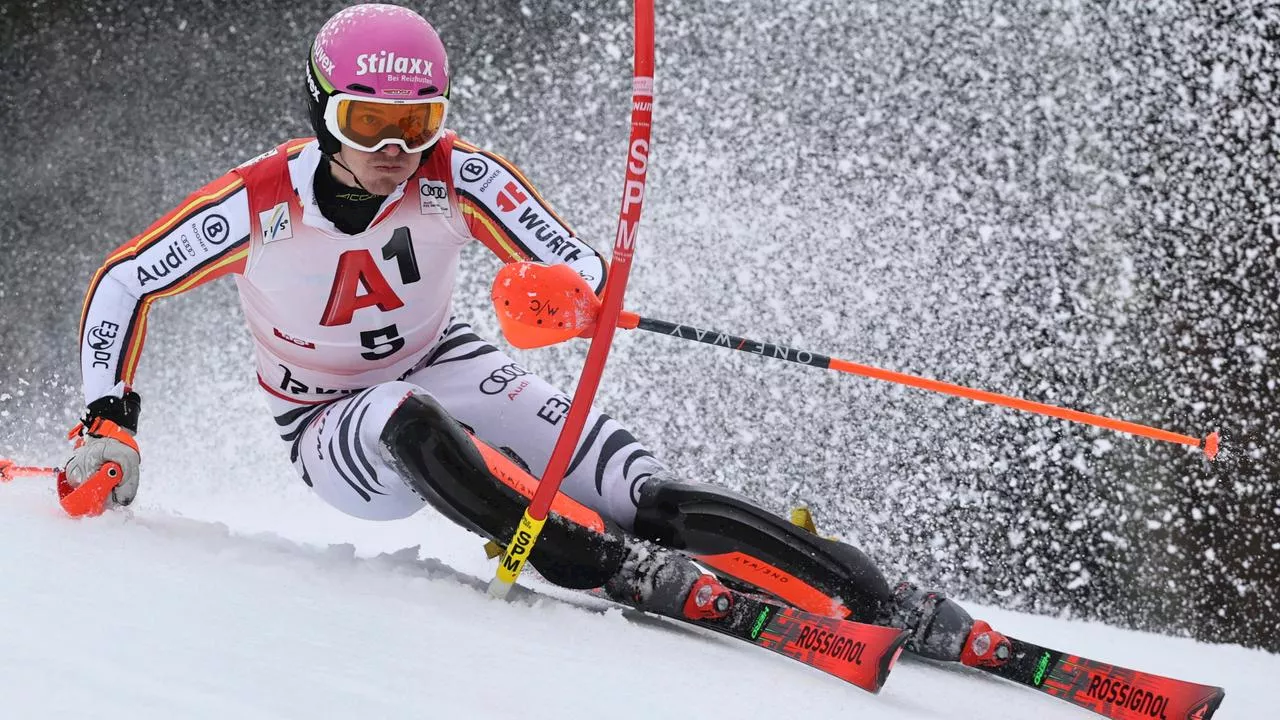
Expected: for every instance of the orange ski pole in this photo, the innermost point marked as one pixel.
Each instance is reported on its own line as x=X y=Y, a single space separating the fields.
x=539 y=305
x=87 y=500
x=10 y=471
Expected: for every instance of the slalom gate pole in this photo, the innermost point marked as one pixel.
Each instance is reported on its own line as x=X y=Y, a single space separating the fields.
x=540 y=306
x=535 y=516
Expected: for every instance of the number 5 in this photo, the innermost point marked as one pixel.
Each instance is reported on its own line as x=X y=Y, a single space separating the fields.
x=379 y=347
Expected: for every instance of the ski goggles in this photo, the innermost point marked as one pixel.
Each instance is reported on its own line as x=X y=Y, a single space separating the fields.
x=371 y=124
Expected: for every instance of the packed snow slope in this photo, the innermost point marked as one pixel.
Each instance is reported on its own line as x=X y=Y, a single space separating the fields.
x=147 y=614
x=1072 y=202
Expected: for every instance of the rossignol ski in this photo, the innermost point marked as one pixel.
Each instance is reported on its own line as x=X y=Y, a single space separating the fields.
x=1109 y=690
x=858 y=653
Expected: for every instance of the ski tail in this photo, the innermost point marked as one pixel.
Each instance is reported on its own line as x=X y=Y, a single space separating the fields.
x=860 y=654
x=1108 y=690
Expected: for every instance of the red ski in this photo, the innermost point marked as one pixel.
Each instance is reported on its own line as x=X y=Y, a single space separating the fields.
x=857 y=653
x=1109 y=690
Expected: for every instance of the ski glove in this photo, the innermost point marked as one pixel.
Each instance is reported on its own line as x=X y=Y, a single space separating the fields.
x=106 y=435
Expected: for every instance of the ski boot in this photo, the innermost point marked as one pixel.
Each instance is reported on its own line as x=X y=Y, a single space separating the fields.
x=665 y=582
x=941 y=630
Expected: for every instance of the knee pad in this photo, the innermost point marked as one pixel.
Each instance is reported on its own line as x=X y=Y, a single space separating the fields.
x=737 y=537
x=441 y=462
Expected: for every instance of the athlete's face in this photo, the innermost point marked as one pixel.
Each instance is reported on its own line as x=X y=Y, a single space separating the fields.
x=379 y=172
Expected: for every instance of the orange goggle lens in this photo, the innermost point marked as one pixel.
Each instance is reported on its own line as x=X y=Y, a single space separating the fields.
x=369 y=123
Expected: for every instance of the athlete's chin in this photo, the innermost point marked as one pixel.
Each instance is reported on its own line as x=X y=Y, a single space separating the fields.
x=384 y=179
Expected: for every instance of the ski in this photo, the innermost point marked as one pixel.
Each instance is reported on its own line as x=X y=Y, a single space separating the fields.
x=857 y=653
x=1108 y=690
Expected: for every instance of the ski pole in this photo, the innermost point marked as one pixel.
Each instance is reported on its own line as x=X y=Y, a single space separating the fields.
x=87 y=500
x=541 y=305
x=10 y=471
x=535 y=516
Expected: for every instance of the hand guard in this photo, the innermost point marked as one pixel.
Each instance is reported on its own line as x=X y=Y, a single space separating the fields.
x=106 y=435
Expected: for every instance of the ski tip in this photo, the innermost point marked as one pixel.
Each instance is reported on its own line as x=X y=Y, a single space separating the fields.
x=1206 y=709
x=888 y=660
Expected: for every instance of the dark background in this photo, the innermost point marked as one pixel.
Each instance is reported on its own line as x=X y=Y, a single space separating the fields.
x=1067 y=201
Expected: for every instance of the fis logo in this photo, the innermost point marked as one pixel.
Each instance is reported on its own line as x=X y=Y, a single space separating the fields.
x=385 y=62
x=275 y=223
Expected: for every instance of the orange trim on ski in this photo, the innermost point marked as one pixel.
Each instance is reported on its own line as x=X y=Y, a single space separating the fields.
x=775 y=581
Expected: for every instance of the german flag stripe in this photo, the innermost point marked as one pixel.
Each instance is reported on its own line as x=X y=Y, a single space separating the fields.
x=487 y=233
x=217 y=267
x=182 y=283
x=468 y=147
x=215 y=194
x=512 y=248
x=137 y=319
x=293 y=147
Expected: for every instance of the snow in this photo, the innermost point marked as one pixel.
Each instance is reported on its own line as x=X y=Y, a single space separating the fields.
x=1069 y=202
x=145 y=614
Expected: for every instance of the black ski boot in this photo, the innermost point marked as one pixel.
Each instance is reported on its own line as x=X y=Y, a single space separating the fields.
x=938 y=626
x=665 y=582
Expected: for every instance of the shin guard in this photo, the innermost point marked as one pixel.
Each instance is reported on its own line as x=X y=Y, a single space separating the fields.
x=485 y=492
x=736 y=537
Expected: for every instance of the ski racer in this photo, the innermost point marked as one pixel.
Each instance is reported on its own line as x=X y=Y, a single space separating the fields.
x=344 y=249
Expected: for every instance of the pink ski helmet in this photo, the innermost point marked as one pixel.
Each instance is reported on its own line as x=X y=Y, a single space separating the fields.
x=378 y=52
